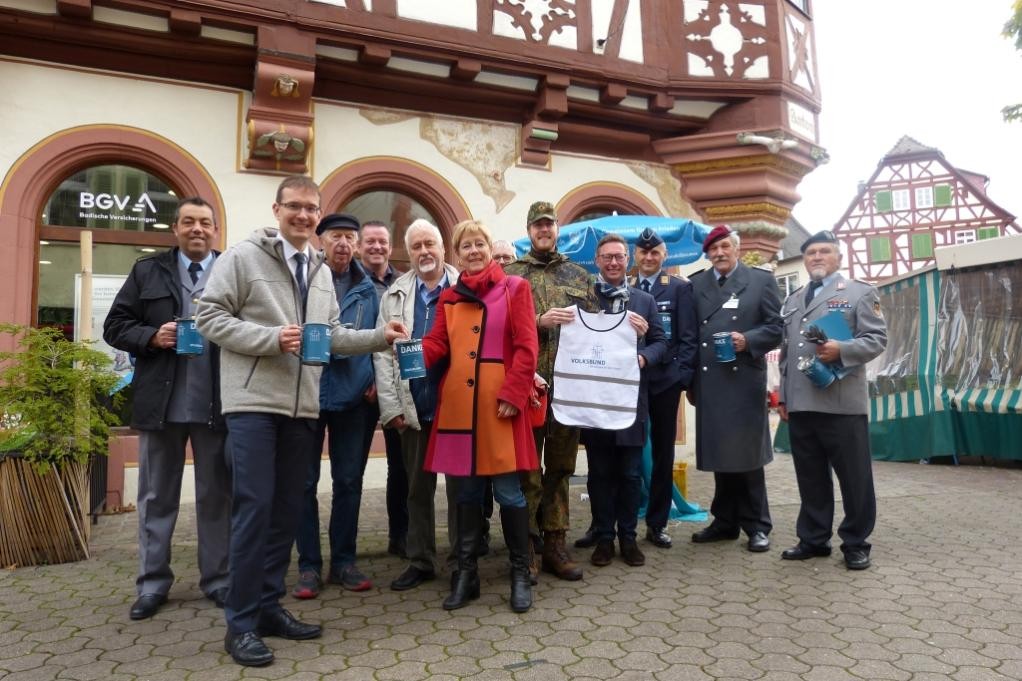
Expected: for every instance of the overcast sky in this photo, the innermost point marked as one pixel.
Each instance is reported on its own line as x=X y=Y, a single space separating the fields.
x=936 y=70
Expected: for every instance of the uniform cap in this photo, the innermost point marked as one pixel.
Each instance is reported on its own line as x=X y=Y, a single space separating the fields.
x=648 y=239
x=540 y=210
x=716 y=234
x=337 y=221
x=824 y=237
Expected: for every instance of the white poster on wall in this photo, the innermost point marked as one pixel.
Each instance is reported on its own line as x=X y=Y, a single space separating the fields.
x=104 y=290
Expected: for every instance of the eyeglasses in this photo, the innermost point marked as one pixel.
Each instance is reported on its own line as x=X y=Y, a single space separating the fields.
x=613 y=257
x=296 y=207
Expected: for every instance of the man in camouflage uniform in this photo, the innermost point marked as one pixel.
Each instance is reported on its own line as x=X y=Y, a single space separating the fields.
x=557 y=285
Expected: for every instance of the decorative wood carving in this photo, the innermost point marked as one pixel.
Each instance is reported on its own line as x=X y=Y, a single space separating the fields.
x=280 y=122
x=727 y=39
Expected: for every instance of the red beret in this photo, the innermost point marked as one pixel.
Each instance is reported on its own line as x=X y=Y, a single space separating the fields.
x=716 y=234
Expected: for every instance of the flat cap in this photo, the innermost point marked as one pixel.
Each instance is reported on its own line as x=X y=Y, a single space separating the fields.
x=824 y=237
x=716 y=234
x=337 y=221
x=540 y=210
x=648 y=240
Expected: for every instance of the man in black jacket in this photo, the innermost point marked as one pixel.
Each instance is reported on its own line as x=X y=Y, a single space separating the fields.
x=176 y=401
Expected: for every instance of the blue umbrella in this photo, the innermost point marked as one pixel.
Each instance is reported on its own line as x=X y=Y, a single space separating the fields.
x=683 y=237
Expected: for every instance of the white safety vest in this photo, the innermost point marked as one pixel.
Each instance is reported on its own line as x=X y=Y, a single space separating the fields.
x=596 y=372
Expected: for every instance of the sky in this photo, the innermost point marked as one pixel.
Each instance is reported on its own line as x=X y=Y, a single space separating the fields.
x=938 y=71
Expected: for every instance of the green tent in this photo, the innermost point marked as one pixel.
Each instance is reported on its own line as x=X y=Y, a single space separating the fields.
x=950 y=380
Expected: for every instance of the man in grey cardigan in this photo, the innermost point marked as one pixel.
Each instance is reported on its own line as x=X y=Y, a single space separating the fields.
x=254 y=304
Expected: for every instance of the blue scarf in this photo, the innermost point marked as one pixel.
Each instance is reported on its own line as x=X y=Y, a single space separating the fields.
x=618 y=295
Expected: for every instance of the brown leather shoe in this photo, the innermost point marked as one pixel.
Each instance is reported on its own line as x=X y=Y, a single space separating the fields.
x=602 y=554
x=631 y=554
x=556 y=559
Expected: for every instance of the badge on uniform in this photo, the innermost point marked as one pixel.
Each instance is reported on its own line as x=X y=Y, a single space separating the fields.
x=731 y=303
x=664 y=280
x=876 y=309
x=839 y=304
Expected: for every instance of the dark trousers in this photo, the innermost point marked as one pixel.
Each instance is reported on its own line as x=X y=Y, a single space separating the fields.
x=349 y=436
x=397 y=485
x=267 y=473
x=740 y=501
x=663 y=431
x=615 y=484
x=821 y=442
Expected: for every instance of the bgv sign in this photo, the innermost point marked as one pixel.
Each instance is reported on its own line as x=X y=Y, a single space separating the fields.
x=88 y=200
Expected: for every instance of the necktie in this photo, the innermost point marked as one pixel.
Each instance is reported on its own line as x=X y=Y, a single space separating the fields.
x=813 y=287
x=645 y=285
x=721 y=280
x=303 y=288
x=193 y=271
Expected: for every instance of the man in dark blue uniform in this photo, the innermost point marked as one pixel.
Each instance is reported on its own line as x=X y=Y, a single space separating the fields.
x=676 y=310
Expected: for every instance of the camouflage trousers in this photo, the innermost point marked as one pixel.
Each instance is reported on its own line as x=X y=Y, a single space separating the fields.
x=546 y=490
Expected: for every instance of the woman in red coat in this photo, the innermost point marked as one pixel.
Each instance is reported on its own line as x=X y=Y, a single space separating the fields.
x=485 y=330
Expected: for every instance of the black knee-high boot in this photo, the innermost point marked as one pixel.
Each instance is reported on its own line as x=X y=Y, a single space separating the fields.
x=466 y=584
x=515 y=522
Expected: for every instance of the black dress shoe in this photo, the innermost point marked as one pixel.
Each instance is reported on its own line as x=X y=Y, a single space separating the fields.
x=411 y=578
x=801 y=551
x=658 y=537
x=857 y=559
x=146 y=606
x=587 y=540
x=218 y=596
x=758 y=542
x=284 y=625
x=713 y=533
x=248 y=649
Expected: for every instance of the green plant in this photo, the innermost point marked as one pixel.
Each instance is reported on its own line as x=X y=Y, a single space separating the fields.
x=54 y=398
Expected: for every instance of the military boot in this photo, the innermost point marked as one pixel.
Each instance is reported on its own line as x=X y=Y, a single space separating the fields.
x=534 y=560
x=556 y=559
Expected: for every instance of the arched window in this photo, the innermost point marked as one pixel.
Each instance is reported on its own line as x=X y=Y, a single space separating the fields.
x=395 y=191
x=129 y=211
x=600 y=199
x=394 y=209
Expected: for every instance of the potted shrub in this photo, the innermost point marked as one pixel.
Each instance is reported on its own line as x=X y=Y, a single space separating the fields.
x=54 y=418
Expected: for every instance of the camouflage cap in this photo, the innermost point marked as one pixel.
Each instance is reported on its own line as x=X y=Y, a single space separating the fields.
x=540 y=210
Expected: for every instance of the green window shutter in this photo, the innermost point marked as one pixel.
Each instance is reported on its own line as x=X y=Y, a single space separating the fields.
x=880 y=249
x=942 y=195
x=988 y=233
x=922 y=245
x=883 y=202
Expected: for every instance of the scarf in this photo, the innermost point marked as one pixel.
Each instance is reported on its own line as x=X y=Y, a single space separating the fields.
x=618 y=295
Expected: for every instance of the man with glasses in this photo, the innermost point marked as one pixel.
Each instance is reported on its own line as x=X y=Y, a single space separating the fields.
x=504 y=252
x=615 y=456
x=558 y=285
x=257 y=299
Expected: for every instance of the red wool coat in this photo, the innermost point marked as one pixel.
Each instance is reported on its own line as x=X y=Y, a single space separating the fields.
x=485 y=327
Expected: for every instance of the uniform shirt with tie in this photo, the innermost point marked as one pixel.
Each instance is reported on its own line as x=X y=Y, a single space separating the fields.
x=192 y=394
x=815 y=286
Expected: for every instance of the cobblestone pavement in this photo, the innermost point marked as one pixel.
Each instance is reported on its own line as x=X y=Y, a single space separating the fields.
x=943 y=601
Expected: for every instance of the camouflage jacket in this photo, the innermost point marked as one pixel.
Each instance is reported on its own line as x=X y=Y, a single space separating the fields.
x=558 y=283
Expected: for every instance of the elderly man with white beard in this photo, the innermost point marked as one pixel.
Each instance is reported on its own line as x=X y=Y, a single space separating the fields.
x=408 y=405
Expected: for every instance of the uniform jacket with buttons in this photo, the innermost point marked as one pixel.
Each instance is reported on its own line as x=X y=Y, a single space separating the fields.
x=732 y=425
x=676 y=306
x=149 y=298
x=486 y=331
x=859 y=304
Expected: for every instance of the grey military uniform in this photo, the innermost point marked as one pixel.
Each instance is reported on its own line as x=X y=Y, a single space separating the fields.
x=859 y=303
x=829 y=426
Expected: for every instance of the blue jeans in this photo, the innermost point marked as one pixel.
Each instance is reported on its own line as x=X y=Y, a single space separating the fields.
x=507 y=490
x=350 y=434
x=265 y=509
x=615 y=483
